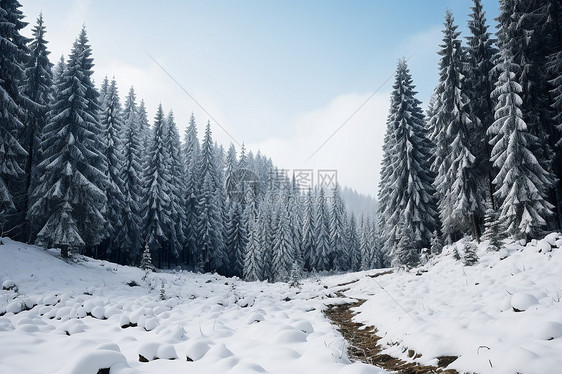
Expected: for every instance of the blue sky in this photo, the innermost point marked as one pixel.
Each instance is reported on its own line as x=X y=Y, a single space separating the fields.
x=280 y=76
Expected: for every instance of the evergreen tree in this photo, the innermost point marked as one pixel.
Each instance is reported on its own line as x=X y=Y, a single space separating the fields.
x=38 y=88
x=146 y=261
x=253 y=259
x=339 y=240
x=191 y=158
x=236 y=239
x=309 y=232
x=112 y=124
x=129 y=234
x=283 y=246
x=405 y=252
x=436 y=244
x=144 y=127
x=408 y=199
x=354 y=245
x=469 y=252
x=492 y=230
x=177 y=189
x=71 y=200
x=521 y=182
x=480 y=55
x=455 y=174
x=210 y=230
x=321 y=259
x=13 y=55
x=157 y=212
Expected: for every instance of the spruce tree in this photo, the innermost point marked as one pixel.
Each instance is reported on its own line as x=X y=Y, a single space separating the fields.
x=409 y=197
x=210 y=230
x=253 y=259
x=13 y=56
x=157 y=211
x=339 y=240
x=521 y=183
x=354 y=245
x=480 y=56
x=38 y=88
x=321 y=259
x=236 y=239
x=455 y=170
x=309 y=232
x=492 y=230
x=71 y=200
x=176 y=170
x=283 y=245
x=191 y=149
x=129 y=234
x=112 y=124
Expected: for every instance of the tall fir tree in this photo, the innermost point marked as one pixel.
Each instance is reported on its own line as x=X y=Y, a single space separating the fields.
x=157 y=212
x=354 y=245
x=253 y=258
x=455 y=178
x=521 y=183
x=283 y=245
x=409 y=198
x=320 y=261
x=308 y=244
x=129 y=234
x=191 y=149
x=112 y=124
x=176 y=171
x=210 y=229
x=339 y=241
x=236 y=239
x=13 y=103
x=71 y=201
x=481 y=55
x=38 y=87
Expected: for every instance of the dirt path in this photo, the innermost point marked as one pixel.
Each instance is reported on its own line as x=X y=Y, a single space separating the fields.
x=363 y=344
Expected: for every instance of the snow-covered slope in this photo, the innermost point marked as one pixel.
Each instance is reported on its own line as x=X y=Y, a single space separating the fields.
x=70 y=318
x=501 y=315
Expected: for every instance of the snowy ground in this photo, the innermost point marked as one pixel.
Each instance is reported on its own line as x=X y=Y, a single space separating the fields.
x=222 y=325
x=77 y=312
x=470 y=312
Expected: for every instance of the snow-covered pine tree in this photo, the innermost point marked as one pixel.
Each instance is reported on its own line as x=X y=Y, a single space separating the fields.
x=191 y=150
x=308 y=244
x=405 y=254
x=492 y=230
x=267 y=225
x=480 y=56
x=365 y=243
x=129 y=234
x=525 y=34
x=157 y=211
x=354 y=244
x=146 y=261
x=283 y=245
x=71 y=200
x=104 y=88
x=321 y=259
x=253 y=258
x=455 y=181
x=236 y=239
x=144 y=127
x=409 y=197
x=436 y=244
x=210 y=230
x=469 y=252
x=13 y=55
x=521 y=183
x=176 y=169
x=339 y=241
x=38 y=87
x=112 y=124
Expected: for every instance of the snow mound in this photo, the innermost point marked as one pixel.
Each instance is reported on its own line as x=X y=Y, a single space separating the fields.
x=195 y=350
x=520 y=302
x=92 y=362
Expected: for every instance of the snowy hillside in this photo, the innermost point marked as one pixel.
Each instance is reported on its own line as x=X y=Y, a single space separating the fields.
x=501 y=315
x=80 y=312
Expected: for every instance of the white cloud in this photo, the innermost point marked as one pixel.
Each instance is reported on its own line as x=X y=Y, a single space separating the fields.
x=355 y=151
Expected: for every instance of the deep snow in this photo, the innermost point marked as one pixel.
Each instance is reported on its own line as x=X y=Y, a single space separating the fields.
x=502 y=315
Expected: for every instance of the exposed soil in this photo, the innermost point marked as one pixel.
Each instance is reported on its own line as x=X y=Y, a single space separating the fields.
x=363 y=344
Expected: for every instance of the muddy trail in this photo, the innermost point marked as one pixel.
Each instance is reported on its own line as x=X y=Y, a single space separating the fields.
x=363 y=344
